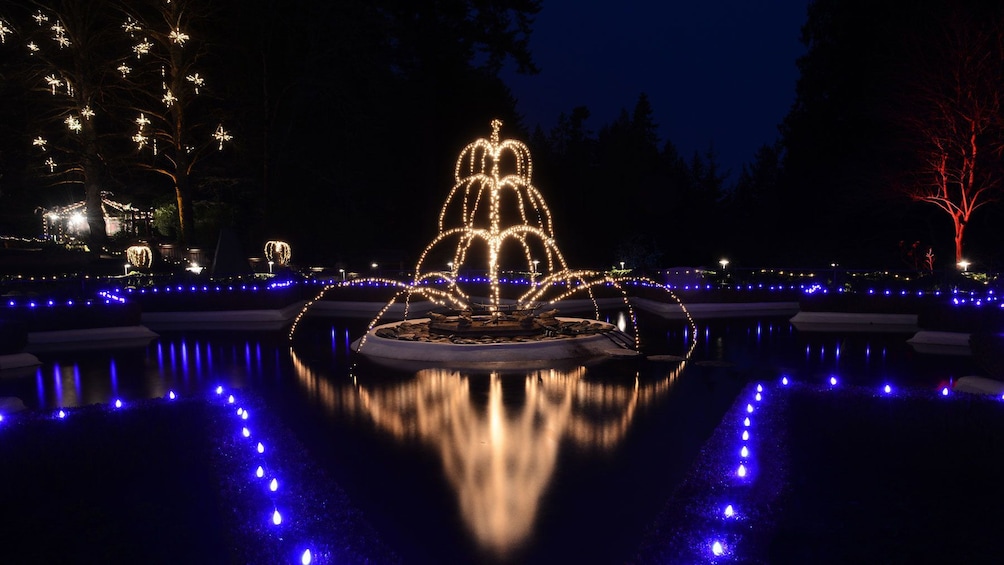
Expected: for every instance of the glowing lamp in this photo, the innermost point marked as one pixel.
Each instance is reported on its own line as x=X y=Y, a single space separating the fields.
x=833 y=381
x=741 y=471
x=274 y=485
x=276 y=518
x=887 y=389
x=729 y=512
x=306 y=558
x=717 y=548
x=61 y=414
x=140 y=256
x=944 y=391
x=219 y=390
x=747 y=422
x=261 y=448
x=245 y=432
x=259 y=472
x=964 y=265
x=277 y=252
x=118 y=403
x=746 y=435
x=744 y=452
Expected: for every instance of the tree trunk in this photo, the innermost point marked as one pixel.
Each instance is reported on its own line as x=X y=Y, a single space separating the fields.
x=960 y=228
x=186 y=217
x=92 y=169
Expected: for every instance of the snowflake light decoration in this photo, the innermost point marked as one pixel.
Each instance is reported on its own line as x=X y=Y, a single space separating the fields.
x=179 y=37
x=32 y=47
x=39 y=142
x=140 y=140
x=124 y=69
x=196 y=80
x=51 y=163
x=4 y=30
x=40 y=18
x=142 y=121
x=73 y=123
x=86 y=112
x=169 y=98
x=131 y=26
x=222 y=136
x=142 y=48
x=53 y=82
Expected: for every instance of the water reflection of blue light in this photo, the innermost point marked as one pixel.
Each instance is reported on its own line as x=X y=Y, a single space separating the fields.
x=113 y=374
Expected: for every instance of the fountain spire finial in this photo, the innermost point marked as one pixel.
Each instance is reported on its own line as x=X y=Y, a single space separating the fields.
x=496 y=126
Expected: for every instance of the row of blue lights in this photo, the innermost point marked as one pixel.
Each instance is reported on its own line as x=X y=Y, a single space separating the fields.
x=259 y=461
x=39 y=303
x=742 y=472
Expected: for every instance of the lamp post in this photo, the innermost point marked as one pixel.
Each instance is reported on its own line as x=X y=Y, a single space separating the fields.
x=342 y=271
x=964 y=265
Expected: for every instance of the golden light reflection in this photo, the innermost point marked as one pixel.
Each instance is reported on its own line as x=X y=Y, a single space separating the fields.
x=498 y=454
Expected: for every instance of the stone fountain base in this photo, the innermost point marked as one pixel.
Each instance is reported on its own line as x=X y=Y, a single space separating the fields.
x=569 y=338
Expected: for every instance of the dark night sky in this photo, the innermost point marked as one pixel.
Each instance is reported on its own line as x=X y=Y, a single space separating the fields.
x=715 y=71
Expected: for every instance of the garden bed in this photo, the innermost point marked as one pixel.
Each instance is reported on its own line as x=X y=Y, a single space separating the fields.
x=168 y=481
x=844 y=475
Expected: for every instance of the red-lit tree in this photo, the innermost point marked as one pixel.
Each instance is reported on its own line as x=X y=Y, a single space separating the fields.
x=954 y=117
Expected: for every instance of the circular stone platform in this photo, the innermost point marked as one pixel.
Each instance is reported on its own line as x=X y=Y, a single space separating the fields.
x=600 y=339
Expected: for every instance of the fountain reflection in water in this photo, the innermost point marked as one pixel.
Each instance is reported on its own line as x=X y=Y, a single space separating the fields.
x=498 y=456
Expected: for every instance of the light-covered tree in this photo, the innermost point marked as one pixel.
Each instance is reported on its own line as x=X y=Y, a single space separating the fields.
x=64 y=52
x=175 y=125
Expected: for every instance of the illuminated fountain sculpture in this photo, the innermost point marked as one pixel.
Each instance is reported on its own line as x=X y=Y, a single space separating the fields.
x=495 y=215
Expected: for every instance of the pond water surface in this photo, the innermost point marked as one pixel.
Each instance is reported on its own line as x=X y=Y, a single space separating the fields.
x=570 y=463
